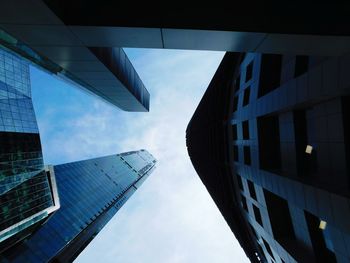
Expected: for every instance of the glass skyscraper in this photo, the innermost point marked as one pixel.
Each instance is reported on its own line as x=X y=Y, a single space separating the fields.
x=51 y=213
x=91 y=192
x=27 y=192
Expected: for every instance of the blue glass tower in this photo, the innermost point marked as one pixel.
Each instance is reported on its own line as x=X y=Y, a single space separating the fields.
x=91 y=192
x=27 y=192
x=52 y=213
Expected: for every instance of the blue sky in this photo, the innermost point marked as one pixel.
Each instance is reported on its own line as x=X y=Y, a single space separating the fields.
x=171 y=218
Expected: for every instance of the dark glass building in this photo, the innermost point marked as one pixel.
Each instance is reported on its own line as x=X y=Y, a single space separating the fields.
x=91 y=192
x=28 y=193
x=270 y=140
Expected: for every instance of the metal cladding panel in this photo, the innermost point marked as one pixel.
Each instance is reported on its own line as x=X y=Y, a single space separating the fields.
x=118 y=36
x=43 y=35
x=211 y=39
x=304 y=45
x=39 y=13
x=66 y=53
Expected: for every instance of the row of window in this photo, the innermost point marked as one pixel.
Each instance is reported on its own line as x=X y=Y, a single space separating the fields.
x=256 y=212
x=247 y=160
x=245 y=131
x=268 y=131
x=270 y=75
x=282 y=226
x=246 y=99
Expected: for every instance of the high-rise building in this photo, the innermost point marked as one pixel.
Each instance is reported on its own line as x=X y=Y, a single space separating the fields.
x=271 y=131
x=91 y=192
x=270 y=140
x=87 y=193
x=28 y=193
x=103 y=71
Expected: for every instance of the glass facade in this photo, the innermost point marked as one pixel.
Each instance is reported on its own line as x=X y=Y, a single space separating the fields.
x=91 y=192
x=25 y=190
x=119 y=64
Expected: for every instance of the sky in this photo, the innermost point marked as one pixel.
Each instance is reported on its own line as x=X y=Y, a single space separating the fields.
x=171 y=217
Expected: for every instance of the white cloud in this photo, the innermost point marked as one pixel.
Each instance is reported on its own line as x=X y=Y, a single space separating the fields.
x=171 y=218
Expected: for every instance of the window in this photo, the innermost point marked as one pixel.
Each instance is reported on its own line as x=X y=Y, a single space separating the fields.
x=322 y=246
x=306 y=163
x=257 y=215
x=240 y=183
x=246 y=96
x=245 y=127
x=234 y=132
x=235 y=153
x=244 y=203
x=269 y=144
x=280 y=218
x=268 y=248
x=238 y=82
x=270 y=73
x=235 y=103
x=249 y=72
x=301 y=65
x=253 y=231
x=247 y=158
x=251 y=189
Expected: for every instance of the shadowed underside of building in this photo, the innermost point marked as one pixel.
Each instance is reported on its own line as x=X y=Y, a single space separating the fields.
x=270 y=141
x=82 y=41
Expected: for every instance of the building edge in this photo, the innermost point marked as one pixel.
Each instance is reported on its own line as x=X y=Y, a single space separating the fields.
x=208 y=150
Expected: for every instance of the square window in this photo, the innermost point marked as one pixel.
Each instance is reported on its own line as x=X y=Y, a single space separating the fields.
x=269 y=144
x=253 y=231
x=249 y=72
x=235 y=153
x=280 y=217
x=240 y=183
x=321 y=243
x=234 y=132
x=245 y=126
x=251 y=189
x=268 y=248
x=237 y=83
x=270 y=73
x=257 y=215
x=235 y=103
x=301 y=65
x=244 y=203
x=246 y=96
x=247 y=158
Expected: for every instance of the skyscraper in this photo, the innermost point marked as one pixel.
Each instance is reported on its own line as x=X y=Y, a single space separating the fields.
x=87 y=193
x=91 y=193
x=28 y=193
x=270 y=141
